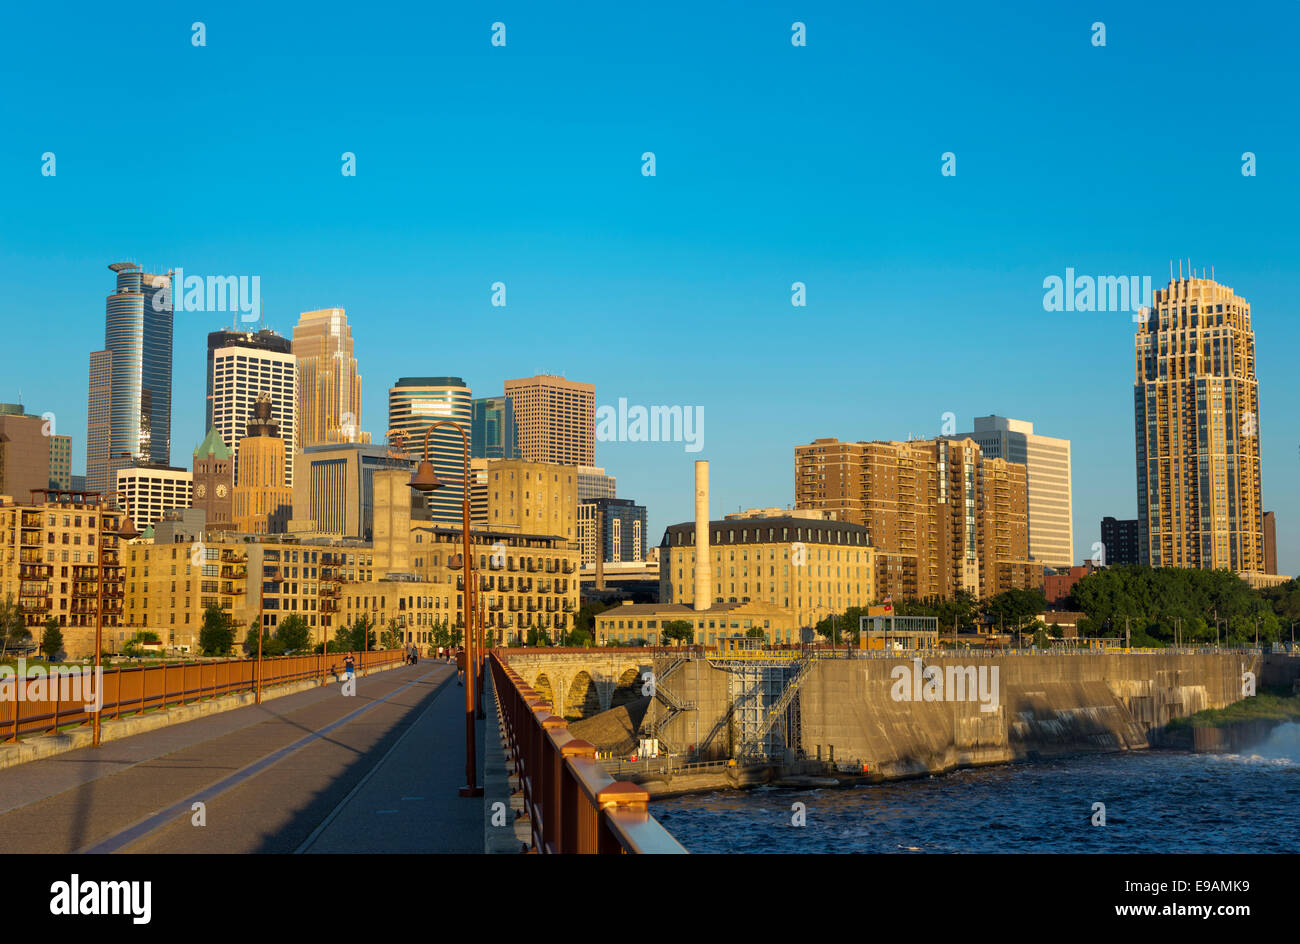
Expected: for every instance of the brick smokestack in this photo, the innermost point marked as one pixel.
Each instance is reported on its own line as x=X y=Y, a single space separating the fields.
x=703 y=560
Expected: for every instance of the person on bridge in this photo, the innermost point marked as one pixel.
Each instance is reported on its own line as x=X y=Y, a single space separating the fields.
x=460 y=666
x=350 y=665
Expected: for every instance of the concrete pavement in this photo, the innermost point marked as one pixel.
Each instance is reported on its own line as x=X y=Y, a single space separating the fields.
x=312 y=771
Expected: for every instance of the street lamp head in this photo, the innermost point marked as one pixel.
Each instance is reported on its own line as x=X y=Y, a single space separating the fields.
x=127 y=530
x=425 y=479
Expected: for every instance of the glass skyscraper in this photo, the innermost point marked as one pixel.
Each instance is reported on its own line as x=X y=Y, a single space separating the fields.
x=129 y=414
x=414 y=404
x=494 y=434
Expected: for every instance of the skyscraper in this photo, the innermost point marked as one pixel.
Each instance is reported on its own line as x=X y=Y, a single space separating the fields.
x=495 y=435
x=129 y=414
x=556 y=419
x=241 y=366
x=262 y=500
x=414 y=404
x=1196 y=424
x=1051 y=517
x=329 y=387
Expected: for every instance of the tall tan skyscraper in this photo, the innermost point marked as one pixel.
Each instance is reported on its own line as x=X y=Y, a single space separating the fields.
x=556 y=419
x=941 y=515
x=329 y=387
x=1047 y=459
x=1196 y=422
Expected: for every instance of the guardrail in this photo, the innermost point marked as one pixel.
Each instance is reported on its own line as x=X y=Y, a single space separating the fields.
x=572 y=804
x=131 y=690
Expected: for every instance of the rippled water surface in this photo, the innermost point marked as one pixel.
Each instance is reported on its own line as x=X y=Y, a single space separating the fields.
x=1155 y=802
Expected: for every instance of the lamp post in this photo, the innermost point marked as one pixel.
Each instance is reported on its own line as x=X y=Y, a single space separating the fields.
x=276 y=579
x=426 y=479
x=125 y=532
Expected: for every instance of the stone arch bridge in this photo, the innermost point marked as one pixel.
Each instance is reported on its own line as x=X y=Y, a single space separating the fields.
x=581 y=681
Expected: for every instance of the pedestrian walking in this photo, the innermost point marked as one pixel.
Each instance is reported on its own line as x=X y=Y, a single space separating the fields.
x=350 y=665
x=460 y=666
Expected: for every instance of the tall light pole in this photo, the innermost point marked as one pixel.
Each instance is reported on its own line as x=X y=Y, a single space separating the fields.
x=125 y=532
x=276 y=579
x=426 y=480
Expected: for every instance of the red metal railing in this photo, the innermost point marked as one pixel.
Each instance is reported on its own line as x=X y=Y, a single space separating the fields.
x=131 y=690
x=571 y=803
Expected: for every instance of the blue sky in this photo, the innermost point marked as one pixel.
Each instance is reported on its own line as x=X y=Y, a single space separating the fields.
x=775 y=164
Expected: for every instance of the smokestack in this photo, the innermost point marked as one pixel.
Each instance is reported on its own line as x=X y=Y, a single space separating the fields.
x=703 y=562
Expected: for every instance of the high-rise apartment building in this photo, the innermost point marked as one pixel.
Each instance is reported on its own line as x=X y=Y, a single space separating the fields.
x=613 y=527
x=242 y=365
x=146 y=491
x=1119 y=541
x=416 y=403
x=494 y=433
x=329 y=387
x=1196 y=423
x=214 y=482
x=129 y=413
x=556 y=419
x=1270 y=543
x=263 y=502
x=941 y=516
x=1047 y=461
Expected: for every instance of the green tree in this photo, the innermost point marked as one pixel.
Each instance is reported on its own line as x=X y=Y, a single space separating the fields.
x=51 y=639
x=679 y=631
x=292 y=634
x=217 y=636
x=392 y=637
x=13 y=628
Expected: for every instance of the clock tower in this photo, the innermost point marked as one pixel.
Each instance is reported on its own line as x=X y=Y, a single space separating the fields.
x=214 y=481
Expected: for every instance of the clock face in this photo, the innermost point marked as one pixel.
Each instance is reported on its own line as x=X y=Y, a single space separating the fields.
x=221 y=491
x=201 y=491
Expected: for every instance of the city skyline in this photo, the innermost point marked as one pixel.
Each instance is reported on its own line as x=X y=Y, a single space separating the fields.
x=904 y=269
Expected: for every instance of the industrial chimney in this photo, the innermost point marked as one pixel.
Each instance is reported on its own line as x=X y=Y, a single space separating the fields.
x=703 y=560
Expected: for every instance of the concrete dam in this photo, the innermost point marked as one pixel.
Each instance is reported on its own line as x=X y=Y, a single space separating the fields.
x=902 y=716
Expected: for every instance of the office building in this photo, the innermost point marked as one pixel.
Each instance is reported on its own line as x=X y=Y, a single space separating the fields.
x=555 y=418
x=263 y=502
x=214 y=482
x=1119 y=541
x=594 y=483
x=129 y=409
x=415 y=404
x=329 y=387
x=1047 y=463
x=1197 y=429
x=494 y=434
x=242 y=365
x=1270 y=543
x=25 y=454
x=333 y=492
x=941 y=516
x=146 y=491
x=612 y=527
x=60 y=462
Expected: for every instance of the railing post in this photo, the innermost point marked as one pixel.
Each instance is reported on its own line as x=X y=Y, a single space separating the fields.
x=620 y=795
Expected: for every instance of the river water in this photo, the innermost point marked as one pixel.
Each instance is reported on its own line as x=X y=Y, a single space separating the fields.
x=1155 y=801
